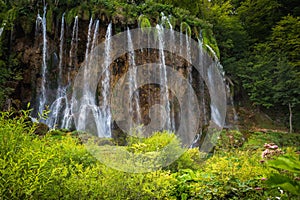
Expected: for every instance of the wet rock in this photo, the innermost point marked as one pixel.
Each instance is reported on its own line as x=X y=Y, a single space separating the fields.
x=41 y=129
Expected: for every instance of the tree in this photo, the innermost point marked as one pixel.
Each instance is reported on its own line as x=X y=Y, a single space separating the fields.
x=258 y=75
x=272 y=75
x=230 y=34
x=258 y=17
x=286 y=40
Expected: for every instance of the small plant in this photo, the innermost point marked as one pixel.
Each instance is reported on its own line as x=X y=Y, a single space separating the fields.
x=287 y=175
x=271 y=150
x=144 y=22
x=229 y=140
x=185 y=28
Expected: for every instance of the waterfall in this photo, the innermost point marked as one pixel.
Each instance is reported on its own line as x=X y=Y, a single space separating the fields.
x=166 y=21
x=1 y=31
x=95 y=36
x=42 y=97
x=93 y=113
x=106 y=113
x=215 y=113
x=88 y=103
x=91 y=117
x=164 y=94
x=61 y=54
x=87 y=51
x=202 y=83
x=188 y=57
x=67 y=114
x=132 y=83
x=57 y=105
x=74 y=43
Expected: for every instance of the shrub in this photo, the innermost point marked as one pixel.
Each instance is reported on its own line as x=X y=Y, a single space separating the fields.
x=52 y=167
x=287 y=175
x=229 y=175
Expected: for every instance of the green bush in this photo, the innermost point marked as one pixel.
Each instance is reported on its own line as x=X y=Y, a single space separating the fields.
x=287 y=175
x=229 y=140
x=231 y=175
x=58 y=166
x=51 y=167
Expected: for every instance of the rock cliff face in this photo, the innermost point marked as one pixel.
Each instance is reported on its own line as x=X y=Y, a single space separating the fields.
x=29 y=48
x=54 y=47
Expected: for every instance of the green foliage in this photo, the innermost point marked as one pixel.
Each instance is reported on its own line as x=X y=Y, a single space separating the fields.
x=60 y=167
x=185 y=28
x=258 y=76
x=259 y=17
x=271 y=75
x=234 y=175
x=286 y=40
x=144 y=22
x=229 y=140
x=71 y=15
x=287 y=178
x=258 y=139
x=230 y=34
x=208 y=39
x=57 y=166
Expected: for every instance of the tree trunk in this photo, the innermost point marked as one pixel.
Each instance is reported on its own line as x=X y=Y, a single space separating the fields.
x=291 y=117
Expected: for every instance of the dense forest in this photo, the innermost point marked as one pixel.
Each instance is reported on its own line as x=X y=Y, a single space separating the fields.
x=257 y=43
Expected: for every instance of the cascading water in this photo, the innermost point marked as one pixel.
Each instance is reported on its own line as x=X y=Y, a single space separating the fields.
x=105 y=111
x=132 y=83
x=95 y=36
x=1 y=31
x=189 y=76
x=56 y=106
x=87 y=101
x=164 y=94
x=74 y=44
x=67 y=114
x=93 y=115
x=202 y=83
x=89 y=112
x=42 y=96
x=166 y=22
x=216 y=116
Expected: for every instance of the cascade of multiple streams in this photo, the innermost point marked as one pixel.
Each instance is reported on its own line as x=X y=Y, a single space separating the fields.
x=93 y=110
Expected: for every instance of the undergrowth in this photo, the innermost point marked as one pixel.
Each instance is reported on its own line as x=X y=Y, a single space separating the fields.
x=58 y=166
